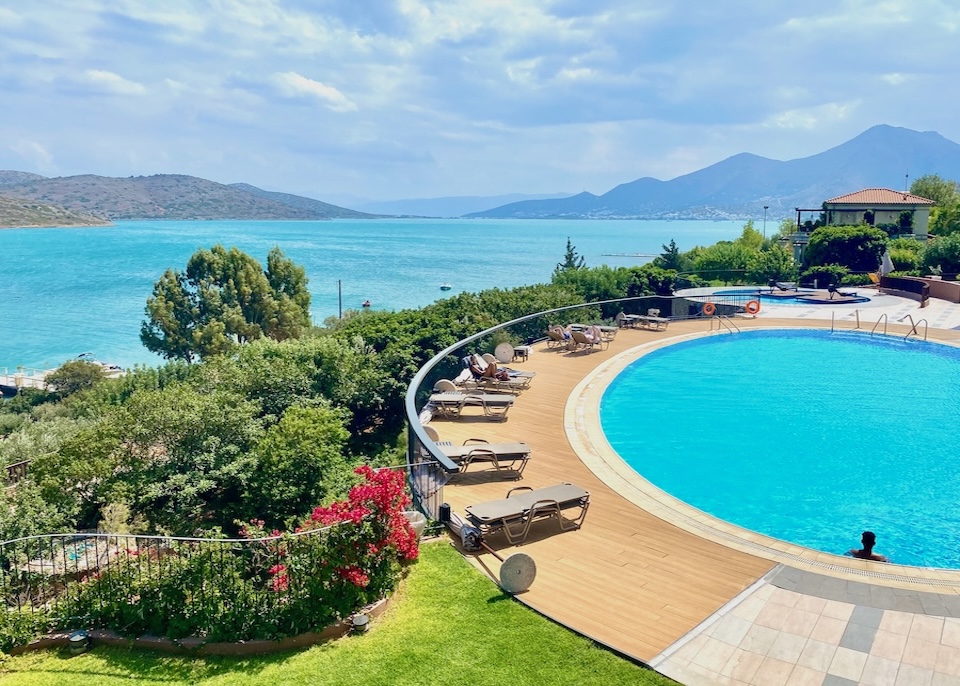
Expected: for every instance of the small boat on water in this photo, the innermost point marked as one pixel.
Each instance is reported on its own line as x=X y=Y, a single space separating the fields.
x=367 y=303
x=445 y=287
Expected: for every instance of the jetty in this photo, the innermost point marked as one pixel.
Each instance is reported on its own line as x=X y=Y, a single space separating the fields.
x=12 y=381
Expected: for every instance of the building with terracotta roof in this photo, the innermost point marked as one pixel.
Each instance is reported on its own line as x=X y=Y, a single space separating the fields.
x=877 y=206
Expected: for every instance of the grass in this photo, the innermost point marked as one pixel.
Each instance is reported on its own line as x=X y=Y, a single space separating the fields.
x=450 y=625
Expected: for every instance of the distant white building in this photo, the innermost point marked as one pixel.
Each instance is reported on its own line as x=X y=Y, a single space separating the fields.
x=879 y=206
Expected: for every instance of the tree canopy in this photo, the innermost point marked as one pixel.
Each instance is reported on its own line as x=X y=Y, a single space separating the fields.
x=225 y=298
x=858 y=248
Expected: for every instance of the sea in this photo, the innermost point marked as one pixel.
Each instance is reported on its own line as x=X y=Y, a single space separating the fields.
x=68 y=291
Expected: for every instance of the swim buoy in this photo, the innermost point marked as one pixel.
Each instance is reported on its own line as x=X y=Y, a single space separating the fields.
x=709 y=308
x=753 y=307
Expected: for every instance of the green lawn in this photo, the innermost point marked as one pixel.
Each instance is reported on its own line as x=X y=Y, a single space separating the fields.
x=450 y=625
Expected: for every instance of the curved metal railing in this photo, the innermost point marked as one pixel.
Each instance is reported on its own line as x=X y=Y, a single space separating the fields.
x=422 y=450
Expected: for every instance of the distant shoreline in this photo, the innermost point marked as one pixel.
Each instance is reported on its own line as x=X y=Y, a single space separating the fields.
x=57 y=226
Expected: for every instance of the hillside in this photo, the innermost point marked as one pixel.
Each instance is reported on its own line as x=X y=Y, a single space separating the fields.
x=8 y=177
x=26 y=214
x=739 y=186
x=451 y=206
x=164 y=196
x=322 y=209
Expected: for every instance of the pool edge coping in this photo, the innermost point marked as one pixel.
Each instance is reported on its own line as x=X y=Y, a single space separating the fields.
x=586 y=437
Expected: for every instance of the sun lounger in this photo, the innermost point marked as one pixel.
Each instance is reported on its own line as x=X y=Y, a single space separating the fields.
x=450 y=405
x=523 y=505
x=582 y=341
x=654 y=323
x=555 y=339
x=469 y=384
x=501 y=456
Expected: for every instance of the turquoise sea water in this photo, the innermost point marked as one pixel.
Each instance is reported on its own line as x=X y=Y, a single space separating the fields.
x=68 y=291
x=805 y=436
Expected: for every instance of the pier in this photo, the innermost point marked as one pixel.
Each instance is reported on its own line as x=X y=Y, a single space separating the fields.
x=21 y=377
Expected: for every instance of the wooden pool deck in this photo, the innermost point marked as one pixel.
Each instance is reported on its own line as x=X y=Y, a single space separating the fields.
x=628 y=578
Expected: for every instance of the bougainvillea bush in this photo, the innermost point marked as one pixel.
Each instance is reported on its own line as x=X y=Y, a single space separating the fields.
x=268 y=586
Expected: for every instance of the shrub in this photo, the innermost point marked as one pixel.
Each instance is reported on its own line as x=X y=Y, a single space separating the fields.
x=824 y=275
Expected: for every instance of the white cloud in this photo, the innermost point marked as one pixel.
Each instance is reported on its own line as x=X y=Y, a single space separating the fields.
x=33 y=153
x=114 y=84
x=894 y=79
x=812 y=117
x=293 y=85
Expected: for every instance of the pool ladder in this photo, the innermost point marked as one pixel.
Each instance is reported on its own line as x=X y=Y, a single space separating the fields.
x=724 y=322
x=913 y=327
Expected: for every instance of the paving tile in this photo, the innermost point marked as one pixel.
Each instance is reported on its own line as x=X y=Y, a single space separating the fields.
x=714 y=655
x=948 y=660
x=837 y=610
x=908 y=675
x=817 y=655
x=933 y=605
x=764 y=592
x=920 y=653
x=800 y=622
x=866 y=616
x=809 y=603
x=749 y=608
x=888 y=645
x=759 y=639
x=878 y=671
x=858 y=636
x=896 y=622
x=731 y=629
x=742 y=665
x=772 y=672
x=927 y=628
x=940 y=679
x=804 y=676
x=772 y=616
x=908 y=604
x=828 y=629
x=783 y=597
x=834 y=680
x=847 y=663
x=787 y=647
x=951 y=633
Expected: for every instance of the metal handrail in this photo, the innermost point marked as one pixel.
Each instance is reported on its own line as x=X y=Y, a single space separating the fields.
x=416 y=433
x=914 y=325
x=725 y=321
x=883 y=318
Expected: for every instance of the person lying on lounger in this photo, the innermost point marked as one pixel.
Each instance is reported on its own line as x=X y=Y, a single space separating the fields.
x=490 y=371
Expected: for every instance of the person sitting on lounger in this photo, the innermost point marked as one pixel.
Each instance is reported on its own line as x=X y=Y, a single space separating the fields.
x=562 y=331
x=868 y=540
x=481 y=369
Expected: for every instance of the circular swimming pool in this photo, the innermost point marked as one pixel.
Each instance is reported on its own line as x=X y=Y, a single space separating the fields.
x=802 y=435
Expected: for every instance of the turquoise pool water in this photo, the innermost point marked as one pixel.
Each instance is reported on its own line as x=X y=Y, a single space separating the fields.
x=803 y=435
x=775 y=300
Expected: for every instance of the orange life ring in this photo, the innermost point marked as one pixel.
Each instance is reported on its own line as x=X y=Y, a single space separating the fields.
x=709 y=308
x=753 y=307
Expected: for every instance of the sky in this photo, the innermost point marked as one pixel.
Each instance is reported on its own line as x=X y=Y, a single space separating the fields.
x=349 y=100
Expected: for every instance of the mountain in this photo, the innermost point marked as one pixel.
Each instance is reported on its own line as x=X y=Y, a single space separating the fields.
x=25 y=213
x=454 y=206
x=163 y=196
x=8 y=177
x=739 y=186
x=322 y=209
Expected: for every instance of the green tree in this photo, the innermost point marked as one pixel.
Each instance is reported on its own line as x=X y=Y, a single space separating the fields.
x=571 y=260
x=750 y=238
x=670 y=258
x=651 y=280
x=723 y=261
x=300 y=464
x=773 y=264
x=223 y=299
x=932 y=187
x=942 y=255
x=74 y=376
x=858 y=248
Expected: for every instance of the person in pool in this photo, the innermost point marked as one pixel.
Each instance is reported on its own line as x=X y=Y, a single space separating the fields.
x=868 y=540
